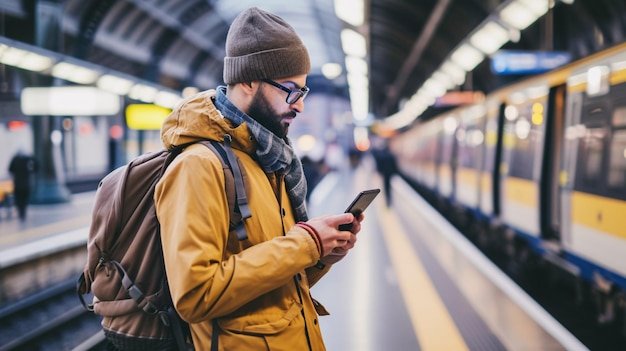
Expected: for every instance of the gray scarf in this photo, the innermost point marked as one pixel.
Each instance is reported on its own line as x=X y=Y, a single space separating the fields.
x=274 y=154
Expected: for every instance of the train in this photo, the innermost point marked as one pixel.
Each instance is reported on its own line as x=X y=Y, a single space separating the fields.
x=535 y=173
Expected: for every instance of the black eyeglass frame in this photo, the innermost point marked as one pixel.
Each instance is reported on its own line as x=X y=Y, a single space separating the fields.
x=298 y=93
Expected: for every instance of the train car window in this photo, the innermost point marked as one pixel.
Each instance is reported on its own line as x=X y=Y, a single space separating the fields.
x=447 y=144
x=616 y=181
x=594 y=114
x=491 y=137
x=617 y=163
x=601 y=163
x=448 y=138
x=592 y=149
x=619 y=116
x=570 y=154
x=528 y=131
x=468 y=148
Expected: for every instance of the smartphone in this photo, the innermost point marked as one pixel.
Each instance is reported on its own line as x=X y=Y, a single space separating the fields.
x=359 y=204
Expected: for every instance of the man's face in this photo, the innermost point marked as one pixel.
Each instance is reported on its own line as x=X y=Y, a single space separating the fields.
x=263 y=112
x=270 y=109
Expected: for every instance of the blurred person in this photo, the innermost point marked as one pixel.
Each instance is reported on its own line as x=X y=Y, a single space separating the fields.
x=22 y=167
x=386 y=167
x=312 y=174
x=251 y=294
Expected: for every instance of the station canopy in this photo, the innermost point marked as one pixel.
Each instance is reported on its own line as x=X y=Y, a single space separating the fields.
x=180 y=43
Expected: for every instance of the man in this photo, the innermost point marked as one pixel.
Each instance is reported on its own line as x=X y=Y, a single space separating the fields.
x=252 y=294
x=22 y=167
x=386 y=166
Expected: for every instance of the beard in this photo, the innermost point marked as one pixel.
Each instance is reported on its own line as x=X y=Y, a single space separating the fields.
x=263 y=113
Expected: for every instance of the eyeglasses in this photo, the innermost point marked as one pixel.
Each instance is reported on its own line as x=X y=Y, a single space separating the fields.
x=292 y=95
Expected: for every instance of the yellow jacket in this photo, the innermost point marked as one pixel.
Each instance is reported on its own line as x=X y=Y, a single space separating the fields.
x=258 y=289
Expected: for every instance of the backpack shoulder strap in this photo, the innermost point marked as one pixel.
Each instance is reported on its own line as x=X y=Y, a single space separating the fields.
x=235 y=188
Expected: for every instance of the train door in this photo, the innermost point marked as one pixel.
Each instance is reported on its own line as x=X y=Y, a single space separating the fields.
x=430 y=136
x=569 y=160
x=549 y=201
x=470 y=140
x=490 y=161
x=446 y=161
x=523 y=154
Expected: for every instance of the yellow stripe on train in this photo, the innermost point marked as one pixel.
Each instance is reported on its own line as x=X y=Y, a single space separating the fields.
x=522 y=191
x=467 y=177
x=600 y=213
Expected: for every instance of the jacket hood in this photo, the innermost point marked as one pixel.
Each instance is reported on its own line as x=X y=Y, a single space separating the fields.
x=197 y=118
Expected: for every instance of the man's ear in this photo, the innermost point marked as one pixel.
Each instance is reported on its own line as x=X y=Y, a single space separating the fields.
x=242 y=94
x=247 y=87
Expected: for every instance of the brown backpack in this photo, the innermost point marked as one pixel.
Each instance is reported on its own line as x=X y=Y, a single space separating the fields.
x=125 y=269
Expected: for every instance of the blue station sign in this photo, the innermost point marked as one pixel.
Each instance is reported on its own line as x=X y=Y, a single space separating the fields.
x=527 y=62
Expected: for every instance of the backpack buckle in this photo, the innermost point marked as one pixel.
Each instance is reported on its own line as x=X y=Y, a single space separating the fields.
x=150 y=308
x=135 y=293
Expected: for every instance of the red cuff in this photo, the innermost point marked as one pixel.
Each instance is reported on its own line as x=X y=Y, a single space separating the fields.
x=314 y=234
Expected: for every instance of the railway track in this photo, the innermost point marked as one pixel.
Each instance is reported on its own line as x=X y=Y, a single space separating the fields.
x=51 y=319
x=570 y=302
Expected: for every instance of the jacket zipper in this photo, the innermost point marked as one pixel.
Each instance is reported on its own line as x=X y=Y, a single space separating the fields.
x=280 y=179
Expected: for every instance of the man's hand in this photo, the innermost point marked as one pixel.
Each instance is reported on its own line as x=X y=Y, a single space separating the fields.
x=336 y=243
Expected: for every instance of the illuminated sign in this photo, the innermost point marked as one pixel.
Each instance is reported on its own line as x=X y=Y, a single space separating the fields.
x=527 y=62
x=69 y=101
x=146 y=116
x=455 y=98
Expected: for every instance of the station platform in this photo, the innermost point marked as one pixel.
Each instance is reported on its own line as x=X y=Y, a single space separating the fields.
x=411 y=283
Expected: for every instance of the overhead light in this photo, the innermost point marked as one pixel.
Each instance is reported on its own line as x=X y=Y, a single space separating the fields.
x=403 y=117
x=467 y=57
x=114 y=84
x=490 y=38
x=331 y=70
x=350 y=11
x=416 y=104
x=435 y=87
x=167 y=99
x=456 y=73
x=24 y=59
x=443 y=79
x=518 y=15
x=143 y=93
x=426 y=96
x=538 y=7
x=11 y=56
x=25 y=56
x=353 y=43
x=35 y=62
x=74 y=73
x=359 y=97
x=356 y=65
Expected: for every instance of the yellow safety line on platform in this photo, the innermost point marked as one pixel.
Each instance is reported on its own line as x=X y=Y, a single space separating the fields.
x=433 y=325
x=44 y=230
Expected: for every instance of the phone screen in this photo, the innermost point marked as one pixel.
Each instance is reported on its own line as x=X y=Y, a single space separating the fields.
x=359 y=204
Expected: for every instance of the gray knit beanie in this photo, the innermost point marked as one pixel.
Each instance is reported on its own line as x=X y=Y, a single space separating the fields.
x=261 y=45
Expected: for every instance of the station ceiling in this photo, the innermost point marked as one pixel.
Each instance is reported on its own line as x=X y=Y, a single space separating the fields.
x=179 y=43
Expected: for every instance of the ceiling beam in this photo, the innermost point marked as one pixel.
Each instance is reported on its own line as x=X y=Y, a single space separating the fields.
x=419 y=46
